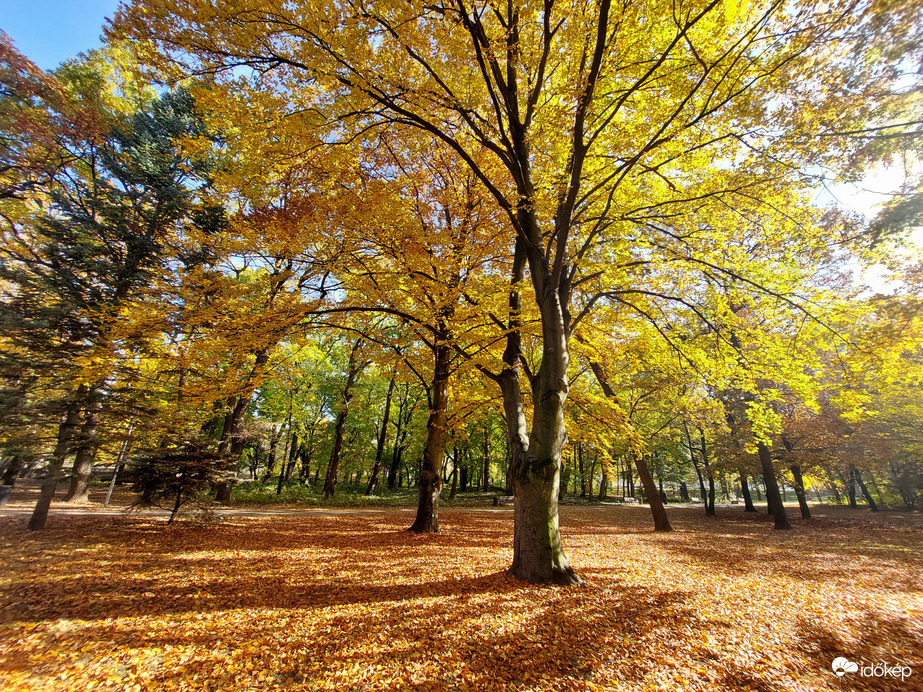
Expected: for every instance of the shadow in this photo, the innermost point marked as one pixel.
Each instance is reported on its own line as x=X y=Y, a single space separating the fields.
x=356 y=602
x=881 y=640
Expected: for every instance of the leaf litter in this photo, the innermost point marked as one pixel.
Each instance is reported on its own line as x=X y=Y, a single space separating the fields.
x=354 y=602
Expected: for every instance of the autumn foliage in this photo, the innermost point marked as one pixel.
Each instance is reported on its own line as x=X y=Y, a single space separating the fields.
x=352 y=601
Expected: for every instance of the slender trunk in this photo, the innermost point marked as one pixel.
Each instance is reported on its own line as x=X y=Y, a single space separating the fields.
x=454 y=477
x=661 y=521
x=565 y=477
x=745 y=491
x=56 y=463
x=850 y=484
x=271 y=458
x=176 y=506
x=330 y=480
x=285 y=469
x=772 y=488
x=799 y=491
x=119 y=463
x=382 y=438
x=225 y=443
x=333 y=467
x=427 y=519
x=604 y=483
x=857 y=474
x=582 y=468
x=86 y=451
x=487 y=457
x=400 y=435
x=710 y=473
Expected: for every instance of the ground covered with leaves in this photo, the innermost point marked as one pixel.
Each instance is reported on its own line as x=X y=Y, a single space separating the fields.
x=352 y=601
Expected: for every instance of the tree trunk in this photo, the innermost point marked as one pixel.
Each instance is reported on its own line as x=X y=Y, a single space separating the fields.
x=683 y=491
x=454 y=477
x=79 y=489
x=286 y=467
x=772 y=488
x=56 y=463
x=487 y=458
x=225 y=443
x=745 y=491
x=333 y=467
x=799 y=491
x=580 y=465
x=10 y=474
x=857 y=474
x=709 y=471
x=538 y=555
x=382 y=438
x=176 y=506
x=661 y=521
x=427 y=519
x=850 y=484
x=565 y=478
x=404 y=412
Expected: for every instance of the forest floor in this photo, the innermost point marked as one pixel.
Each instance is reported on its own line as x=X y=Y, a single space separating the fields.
x=349 y=600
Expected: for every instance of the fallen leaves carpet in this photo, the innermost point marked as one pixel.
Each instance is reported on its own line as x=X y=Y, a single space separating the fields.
x=355 y=602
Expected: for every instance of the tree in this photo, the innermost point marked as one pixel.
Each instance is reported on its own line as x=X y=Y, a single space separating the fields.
x=584 y=123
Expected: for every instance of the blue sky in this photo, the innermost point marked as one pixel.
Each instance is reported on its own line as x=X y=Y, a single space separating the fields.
x=49 y=31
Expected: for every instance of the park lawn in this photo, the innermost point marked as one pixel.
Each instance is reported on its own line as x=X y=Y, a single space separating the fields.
x=352 y=601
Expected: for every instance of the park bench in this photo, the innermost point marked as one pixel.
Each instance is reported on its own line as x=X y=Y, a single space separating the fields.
x=503 y=500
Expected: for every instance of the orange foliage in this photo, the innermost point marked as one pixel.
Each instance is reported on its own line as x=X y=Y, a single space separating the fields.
x=351 y=601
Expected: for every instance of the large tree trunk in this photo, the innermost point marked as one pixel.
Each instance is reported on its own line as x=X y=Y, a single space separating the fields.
x=427 y=519
x=799 y=491
x=773 y=497
x=333 y=467
x=79 y=489
x=382 y=438
x=538 y=554
x=56 y=463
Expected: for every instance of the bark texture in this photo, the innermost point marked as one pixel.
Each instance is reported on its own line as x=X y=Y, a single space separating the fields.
x=56 y=463
x=773 y=498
